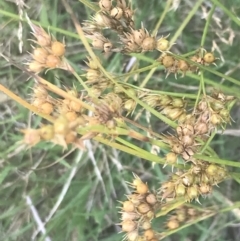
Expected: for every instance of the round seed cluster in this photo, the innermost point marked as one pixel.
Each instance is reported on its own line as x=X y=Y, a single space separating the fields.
x=49 y=53
x=138 y=211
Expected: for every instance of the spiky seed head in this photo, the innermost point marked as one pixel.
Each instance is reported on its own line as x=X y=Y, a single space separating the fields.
x=130 y=216
x=178 y=148
x=215 y=119
x=205 y=188
x=201 y=128
x=142 y=188
x=139 y=35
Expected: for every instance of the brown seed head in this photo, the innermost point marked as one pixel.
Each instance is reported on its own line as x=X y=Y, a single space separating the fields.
x=71 y=115
x=171 y=158
x=139 y=35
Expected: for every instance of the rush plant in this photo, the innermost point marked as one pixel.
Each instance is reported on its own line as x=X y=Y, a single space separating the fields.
x=101 y=105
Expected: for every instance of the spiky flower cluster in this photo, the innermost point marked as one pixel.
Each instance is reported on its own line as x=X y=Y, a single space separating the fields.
x=120 y=19
x=198 y=180
x=182 y=215
x=174 y=108
x=48 y=54
x=138 y=211
x=175 y=65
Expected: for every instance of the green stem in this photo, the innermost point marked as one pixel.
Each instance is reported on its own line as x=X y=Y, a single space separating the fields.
x=186 y=21
x=207 y=26
x=208 y=142
x=163 y=15
x=217 y=160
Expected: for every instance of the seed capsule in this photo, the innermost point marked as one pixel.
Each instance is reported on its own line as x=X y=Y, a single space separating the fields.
x=35 y=67
x=61 y=125
x=192 y=192
x=183 y=65
x=201 y=128
x=146 y=225
x=180 y=190
x=105 y=5
x=128 y=226
x=205 y=188
x=178 y=148
x=143 y=208
x=171 y=158
x=47 y=108
x=130 y=216
x=70 y=137
x=107 y=47
x=47 y=132
x=209 y=58
x=149 y=234
x=187 y=140
x=151 y=199
x=173 y=224
x=132 y=236
x=31 y=136
x=212 y=169
x=52 y=61
x=149 y=44
x=188 y=180
x=178 y=103
x=58 y=49
x=128 y=206
x=168 y=61
x=40 y=55
x=71 y=115
x=162 y=44
x=116 y=13
x=215 y=119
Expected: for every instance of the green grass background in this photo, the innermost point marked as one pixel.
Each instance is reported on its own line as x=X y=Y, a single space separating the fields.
x=88 y=211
